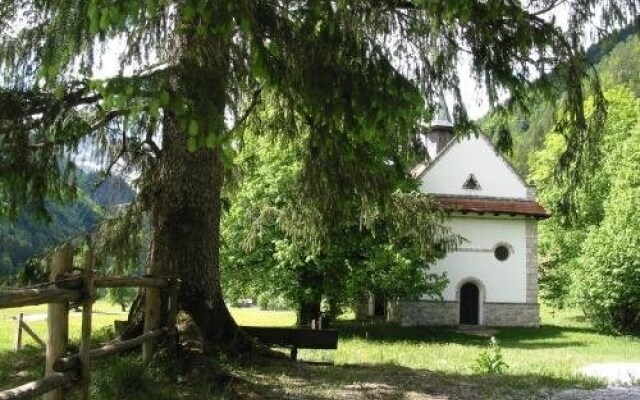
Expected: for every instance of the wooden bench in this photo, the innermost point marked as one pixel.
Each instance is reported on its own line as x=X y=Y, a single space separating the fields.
x=294 y=338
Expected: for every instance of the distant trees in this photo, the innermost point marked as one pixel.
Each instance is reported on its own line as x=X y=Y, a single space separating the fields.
x=592 y=260
x=31 y=235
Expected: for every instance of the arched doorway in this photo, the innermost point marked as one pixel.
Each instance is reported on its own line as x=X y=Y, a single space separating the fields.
x=469 y=304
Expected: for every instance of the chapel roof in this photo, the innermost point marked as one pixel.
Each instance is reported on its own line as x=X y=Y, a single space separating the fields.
x=492 y=205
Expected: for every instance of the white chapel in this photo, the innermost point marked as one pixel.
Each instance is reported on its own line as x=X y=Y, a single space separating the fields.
x=493 y=276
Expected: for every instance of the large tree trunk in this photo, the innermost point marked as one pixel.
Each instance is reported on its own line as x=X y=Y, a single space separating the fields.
x=308 y=310
x=186 y=240
x=187 y=204
x=310 y=299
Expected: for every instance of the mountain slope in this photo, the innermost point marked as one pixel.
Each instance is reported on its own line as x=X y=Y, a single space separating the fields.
x=27 y=236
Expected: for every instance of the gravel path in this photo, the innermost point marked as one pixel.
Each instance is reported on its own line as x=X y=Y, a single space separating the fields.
x=613 y=393
x=615 y=374
x=619 y=376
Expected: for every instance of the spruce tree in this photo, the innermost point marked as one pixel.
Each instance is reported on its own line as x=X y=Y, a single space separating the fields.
x=192 y=71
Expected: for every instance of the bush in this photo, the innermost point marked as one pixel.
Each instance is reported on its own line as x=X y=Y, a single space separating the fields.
x=263 y=301
x=490 y=361
x=279 y=303
x=267 y=302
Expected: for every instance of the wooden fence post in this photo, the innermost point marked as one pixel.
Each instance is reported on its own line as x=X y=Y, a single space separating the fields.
x=17 y=343
x=85 y=337
x=152 y=306
x=58 y=319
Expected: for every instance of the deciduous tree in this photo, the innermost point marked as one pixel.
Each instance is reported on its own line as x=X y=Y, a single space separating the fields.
x=383 y=248
x=589 y=263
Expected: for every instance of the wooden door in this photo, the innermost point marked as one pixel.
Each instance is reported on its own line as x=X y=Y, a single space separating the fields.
x=469 y=304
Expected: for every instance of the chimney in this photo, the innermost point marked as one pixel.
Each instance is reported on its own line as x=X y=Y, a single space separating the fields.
x=440 y=133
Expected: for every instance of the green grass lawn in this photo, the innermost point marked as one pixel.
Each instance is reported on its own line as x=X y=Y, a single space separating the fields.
x=385 y=360
x=562 y=344
x=388 y=361
x=105 y=314
x=255 y=317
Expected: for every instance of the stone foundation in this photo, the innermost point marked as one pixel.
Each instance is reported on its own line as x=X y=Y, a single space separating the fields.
x=416 y=313
x=511 y=314
x=446 y=313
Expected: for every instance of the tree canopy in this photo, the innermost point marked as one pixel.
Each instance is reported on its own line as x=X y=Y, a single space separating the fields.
x=519 y=131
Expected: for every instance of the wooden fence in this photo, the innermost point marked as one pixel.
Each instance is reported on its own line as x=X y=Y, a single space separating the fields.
x=21 y=327
x=64 y=372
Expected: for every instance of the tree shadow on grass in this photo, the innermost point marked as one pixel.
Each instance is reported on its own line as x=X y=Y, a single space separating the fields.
x=17 y=368
x=547 y=336
x=282 y=379
x=390 y=333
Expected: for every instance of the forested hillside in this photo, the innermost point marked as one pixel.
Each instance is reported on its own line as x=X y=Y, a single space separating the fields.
x=28 y=235
x=617 y=60
x=589 y=252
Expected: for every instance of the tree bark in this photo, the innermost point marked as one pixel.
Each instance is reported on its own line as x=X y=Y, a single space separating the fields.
x=186 y=242
x=309 y=302
x=186 y=200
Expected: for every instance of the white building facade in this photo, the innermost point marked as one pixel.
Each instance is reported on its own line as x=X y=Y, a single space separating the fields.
x=493 y=275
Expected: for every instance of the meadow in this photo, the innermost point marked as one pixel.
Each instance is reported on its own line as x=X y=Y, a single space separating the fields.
x=373 y=360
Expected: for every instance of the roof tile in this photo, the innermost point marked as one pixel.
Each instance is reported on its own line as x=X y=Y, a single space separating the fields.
x=492 y=205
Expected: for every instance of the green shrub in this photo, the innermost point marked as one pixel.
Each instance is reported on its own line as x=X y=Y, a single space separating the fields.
x=263 y=301
x=271 y=302
x=490 y=361
x=607 y=284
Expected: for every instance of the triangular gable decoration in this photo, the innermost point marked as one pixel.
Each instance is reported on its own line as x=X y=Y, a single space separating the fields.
x=471 y=183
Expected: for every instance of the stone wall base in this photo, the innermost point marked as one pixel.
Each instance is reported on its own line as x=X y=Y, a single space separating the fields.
x=446 y=313
x=511 y=314
x=417 y=313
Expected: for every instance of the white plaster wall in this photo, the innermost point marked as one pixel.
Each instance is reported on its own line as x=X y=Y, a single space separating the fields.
x=503 y=281
x=472 y=155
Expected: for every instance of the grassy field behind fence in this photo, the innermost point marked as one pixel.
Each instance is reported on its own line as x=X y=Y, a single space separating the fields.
x=548 y=356
x=104 y=315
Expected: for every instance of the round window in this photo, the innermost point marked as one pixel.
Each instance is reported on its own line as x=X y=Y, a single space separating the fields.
x=501 y=252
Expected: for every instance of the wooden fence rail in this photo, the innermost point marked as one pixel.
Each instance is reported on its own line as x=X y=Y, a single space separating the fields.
x=65 y=372
x=34 y=297
x=39 y=387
